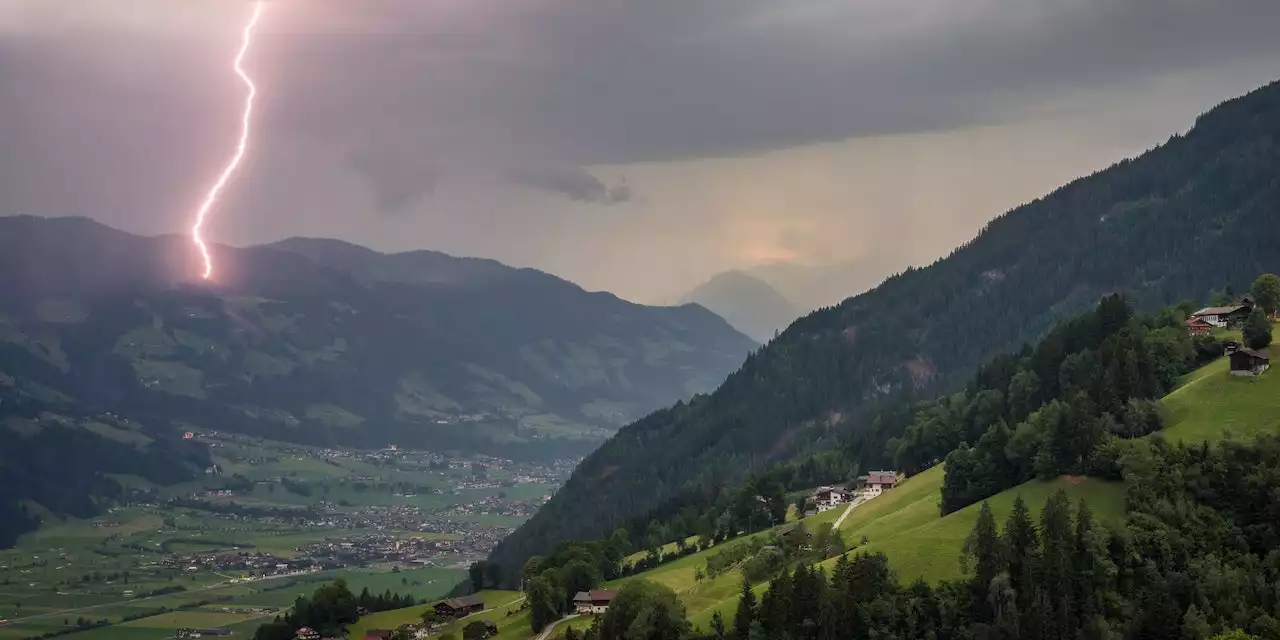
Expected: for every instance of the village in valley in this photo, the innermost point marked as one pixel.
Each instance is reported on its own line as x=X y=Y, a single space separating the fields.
x=268 y=522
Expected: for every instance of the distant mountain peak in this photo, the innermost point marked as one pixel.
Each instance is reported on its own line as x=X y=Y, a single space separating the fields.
x=748 y=303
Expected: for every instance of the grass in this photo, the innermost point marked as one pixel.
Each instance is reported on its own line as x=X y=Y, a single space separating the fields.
x=1210 y=404
x=931 y=550
x=190 y=619
x=905 y=524
x=498 y=603
x=670 y=547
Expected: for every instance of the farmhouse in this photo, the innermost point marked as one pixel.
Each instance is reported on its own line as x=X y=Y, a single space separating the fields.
x=877 y=482
x=829 y=497
x=1225 y=316
x=307 y=633
x=459 y=607
x=1199 y=326
x=1247 y=362
x=593 y=602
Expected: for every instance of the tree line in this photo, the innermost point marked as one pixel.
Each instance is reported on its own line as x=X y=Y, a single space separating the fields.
x=329 y=610
x=1197 y=557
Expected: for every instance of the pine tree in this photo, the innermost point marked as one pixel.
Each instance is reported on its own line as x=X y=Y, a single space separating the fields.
x=1056 y=563
x=1257 y=330
x=1085 y=569
x=983 y=549
x=746 y=615
x=1022 y=553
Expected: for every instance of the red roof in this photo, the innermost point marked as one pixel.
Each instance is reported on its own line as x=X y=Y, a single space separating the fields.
x=595 y=595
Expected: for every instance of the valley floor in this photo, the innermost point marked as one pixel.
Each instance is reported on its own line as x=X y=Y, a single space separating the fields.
x=235 y=548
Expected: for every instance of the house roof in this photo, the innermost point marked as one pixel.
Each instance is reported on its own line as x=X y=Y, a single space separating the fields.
x=464 y=602
x=595 y=595
x=1218 y=311
x=882 y=477
x=1198 y=321
x=1260 y=354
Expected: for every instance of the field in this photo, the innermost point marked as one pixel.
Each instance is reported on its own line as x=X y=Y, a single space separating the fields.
x=906 y=526
x=1211 y=404
x=81 y=572
x=502 y=608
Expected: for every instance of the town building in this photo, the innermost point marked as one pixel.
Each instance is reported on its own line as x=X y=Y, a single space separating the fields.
x=1248 y=362
x=877 y=482
x=459 y=607
x=593 y=602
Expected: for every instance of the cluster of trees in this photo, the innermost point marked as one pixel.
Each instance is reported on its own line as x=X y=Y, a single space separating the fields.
x=762 y=557
x=695 y=521
x=551 y=582
x=1087 y=383
x=1198 y=555
x=712 y=515
x=484 y=574
x=329 y=610
x=642 y=610
x=1045 y=410
x=1173 y=224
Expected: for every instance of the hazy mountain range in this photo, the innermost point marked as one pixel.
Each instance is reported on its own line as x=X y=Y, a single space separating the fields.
x=110 y=349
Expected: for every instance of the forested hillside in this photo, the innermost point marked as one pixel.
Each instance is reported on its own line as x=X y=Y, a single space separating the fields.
x=1174 y=223
x=107 y=344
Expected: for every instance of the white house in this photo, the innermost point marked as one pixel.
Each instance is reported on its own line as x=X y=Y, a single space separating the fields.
x=877 y=482
x=1224 y=316
x=593 y=602
x=826 y=498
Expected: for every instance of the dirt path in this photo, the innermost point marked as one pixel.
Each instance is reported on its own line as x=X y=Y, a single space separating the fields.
x=546 y=633
x=839 y=521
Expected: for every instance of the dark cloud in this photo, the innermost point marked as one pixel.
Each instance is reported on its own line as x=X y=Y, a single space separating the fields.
x=576 y=183
x=116 y=112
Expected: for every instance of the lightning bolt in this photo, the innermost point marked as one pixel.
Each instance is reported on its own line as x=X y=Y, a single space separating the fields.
x=212 y=198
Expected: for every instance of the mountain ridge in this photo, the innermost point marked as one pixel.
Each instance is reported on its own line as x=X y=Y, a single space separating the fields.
x=1173 y=223
x=468 y=356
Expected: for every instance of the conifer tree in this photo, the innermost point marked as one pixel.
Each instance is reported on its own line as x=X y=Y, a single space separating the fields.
x=982 y=550
x=746 y=612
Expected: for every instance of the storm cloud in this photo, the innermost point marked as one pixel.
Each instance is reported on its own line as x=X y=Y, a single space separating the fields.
x=118 y=108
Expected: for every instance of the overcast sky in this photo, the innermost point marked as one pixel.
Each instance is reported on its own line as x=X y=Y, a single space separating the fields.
x=637 y=146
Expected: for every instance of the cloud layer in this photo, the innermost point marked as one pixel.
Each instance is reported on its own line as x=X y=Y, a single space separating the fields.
x=119 y=108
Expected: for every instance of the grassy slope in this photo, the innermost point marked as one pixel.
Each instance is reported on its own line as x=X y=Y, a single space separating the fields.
x=1212 y=405
x=905 y=523
x=498 y=603
x=1208 y=405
